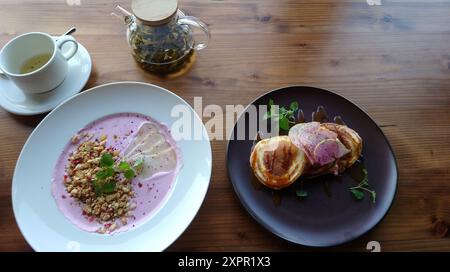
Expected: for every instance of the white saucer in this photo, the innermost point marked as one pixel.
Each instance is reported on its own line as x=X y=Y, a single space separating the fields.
x=12 y=98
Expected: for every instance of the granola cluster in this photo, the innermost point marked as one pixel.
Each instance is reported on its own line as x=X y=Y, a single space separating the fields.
x=80 y=179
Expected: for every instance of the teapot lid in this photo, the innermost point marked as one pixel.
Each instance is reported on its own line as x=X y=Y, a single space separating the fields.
x=154 y=12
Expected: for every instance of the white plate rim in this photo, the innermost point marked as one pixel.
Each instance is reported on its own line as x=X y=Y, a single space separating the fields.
x=202 y=196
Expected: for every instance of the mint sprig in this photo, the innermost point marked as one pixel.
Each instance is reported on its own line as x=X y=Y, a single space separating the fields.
x=105 y=173
x=106 y=187
x=126 y=169
x=301 y=193
x=106 y=160
x=104 y=182
x=285 y=116
x=129 y=174
x=363 y=186
x=124 y=166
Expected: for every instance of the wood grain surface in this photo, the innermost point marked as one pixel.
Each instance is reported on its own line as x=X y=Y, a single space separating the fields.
x=392 y=60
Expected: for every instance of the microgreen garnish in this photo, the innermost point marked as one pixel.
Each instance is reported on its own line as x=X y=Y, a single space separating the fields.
x=105 y=187
x=124 y=166
x=285 y=116
x=294 y=106
x=301 y=193
x=129 y=174
x=127 y=170
x=104 y=182
x=106 y=160
x=358 y=191
x=109 y=187
x=105 y=173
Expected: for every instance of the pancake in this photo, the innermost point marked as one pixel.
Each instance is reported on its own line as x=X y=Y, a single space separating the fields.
x=277 y=162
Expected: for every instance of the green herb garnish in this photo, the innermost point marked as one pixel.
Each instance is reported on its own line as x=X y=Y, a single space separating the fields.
x=301 y=193
x=103 y=187
x=109 y=187
x=294 y=106
x=363 y=186
x=106 y=160
x=268 y=114
x=129 y=174
x=358 y=194
x=105 y=173
x=104 y=182
x=284 y=124
x=97 y=188
x=285 y=116
x=124 y=166
x=126 y=169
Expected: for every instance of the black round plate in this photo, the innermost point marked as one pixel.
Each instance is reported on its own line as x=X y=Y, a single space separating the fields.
x=319 y=219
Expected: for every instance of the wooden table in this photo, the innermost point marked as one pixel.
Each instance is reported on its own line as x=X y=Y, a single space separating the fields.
x=393 y=60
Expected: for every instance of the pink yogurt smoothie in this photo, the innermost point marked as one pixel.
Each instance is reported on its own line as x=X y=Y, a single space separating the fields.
x=150 y=194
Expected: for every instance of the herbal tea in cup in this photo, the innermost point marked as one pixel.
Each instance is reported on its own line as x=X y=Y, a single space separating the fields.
x=34 y=61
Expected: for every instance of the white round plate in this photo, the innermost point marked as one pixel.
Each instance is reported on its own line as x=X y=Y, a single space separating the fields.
x=47 y=229
x=12 y=98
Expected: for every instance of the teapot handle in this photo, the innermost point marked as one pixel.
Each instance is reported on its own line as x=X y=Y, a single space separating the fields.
x=197 y=23
x=125 y=16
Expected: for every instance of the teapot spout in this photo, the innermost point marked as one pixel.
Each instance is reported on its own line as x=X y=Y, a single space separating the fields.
x=125 y=16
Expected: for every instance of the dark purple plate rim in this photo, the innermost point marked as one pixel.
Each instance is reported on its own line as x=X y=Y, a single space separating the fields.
x=268 y=226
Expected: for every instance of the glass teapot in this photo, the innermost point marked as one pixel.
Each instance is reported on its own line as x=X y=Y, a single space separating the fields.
x=161 y=37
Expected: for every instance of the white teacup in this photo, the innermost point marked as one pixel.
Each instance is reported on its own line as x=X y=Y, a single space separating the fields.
x=24 y=47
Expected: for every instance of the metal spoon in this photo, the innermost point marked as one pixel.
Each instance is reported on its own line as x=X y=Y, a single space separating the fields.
x=70 y=31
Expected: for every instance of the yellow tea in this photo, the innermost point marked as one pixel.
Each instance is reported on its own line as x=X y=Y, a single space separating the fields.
x=35 y=63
